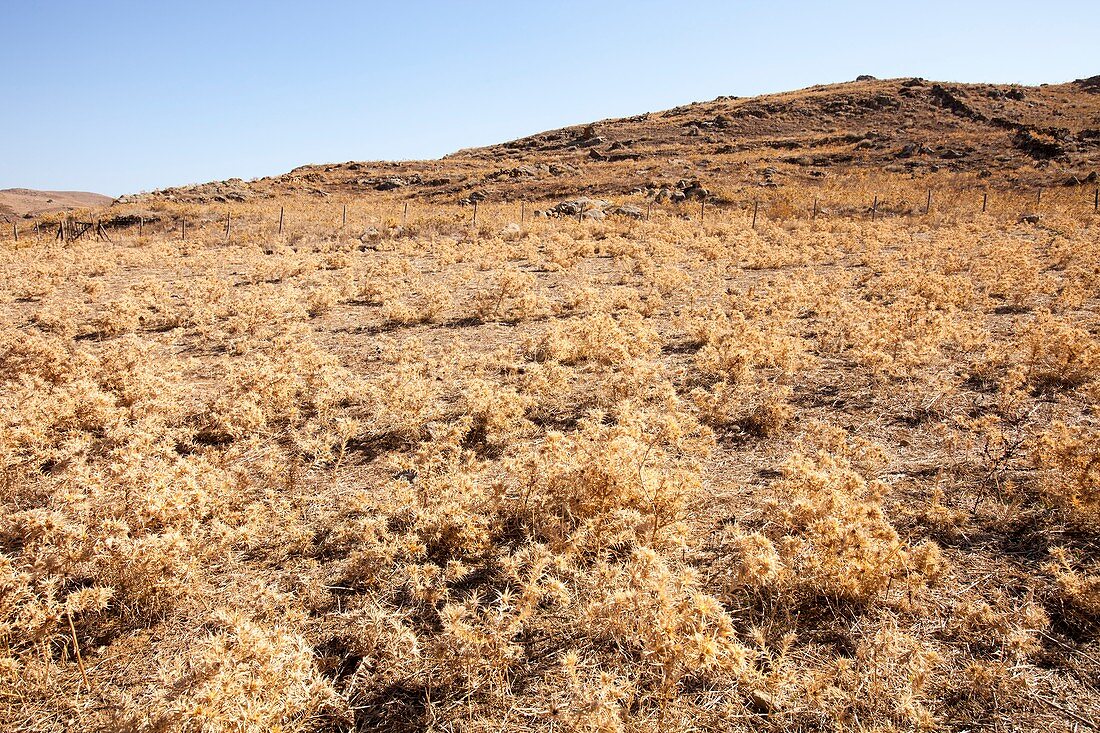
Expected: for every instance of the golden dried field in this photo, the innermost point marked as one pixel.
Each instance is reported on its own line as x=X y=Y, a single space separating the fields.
x=665 y=474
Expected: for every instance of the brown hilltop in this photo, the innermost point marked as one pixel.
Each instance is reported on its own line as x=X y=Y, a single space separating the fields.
x=27 y=203
x=1007 y=135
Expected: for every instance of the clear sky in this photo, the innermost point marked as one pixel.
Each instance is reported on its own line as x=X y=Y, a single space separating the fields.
x=117 y=97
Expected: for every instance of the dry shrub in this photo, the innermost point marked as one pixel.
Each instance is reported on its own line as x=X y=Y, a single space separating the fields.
x=659 y=613
x=1056 y=354
x=638 y=470
x=247 y=677
x=1070 y=458
x=599 y=338
x=836 y=540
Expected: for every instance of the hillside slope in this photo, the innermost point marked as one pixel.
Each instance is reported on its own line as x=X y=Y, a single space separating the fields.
x=18 y=202
x=1003 y=135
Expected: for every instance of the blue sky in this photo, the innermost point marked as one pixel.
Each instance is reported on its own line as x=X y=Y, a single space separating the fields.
x=118 y=97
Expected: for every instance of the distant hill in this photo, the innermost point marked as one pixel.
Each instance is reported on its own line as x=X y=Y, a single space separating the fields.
x=1006 y=136
x=18 y=202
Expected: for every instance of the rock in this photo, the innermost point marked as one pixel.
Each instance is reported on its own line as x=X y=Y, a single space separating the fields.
x=952 y=154
x=1080 y=181
x=627 y=210
x=370 y=234
x=593 y=214
x=664 y=194
x=1028 y=219
x=866 y=77
x=511 y=229
x=389 y=184
x=1091 y=84
x=690 y=189
x=1036 y=146
x=579 y=205
x=762 y=702
x=696 y=192
x=914 y=82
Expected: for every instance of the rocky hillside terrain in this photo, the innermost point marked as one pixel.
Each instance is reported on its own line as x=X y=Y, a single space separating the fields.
x=1002 y=136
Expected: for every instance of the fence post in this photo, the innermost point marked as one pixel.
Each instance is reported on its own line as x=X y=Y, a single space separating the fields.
x=928 y=203
x=228 y=224
x=702 y=210
x=280 y=220
x=815 y=207
x=1039 y=197
x=648 y=210
x=405 y=214
x=985 y=200
x=344 y=216
x=874 y=208
x=183 y=229
x=475 y=213
x=755 y=206
x=1096 y=200
x=141 y=225
x=15 y=230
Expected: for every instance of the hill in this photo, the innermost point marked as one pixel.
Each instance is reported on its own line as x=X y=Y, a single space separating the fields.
x=1006 y=136
x=26 y=202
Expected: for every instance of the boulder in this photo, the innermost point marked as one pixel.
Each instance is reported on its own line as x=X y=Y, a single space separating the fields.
x=627 y=210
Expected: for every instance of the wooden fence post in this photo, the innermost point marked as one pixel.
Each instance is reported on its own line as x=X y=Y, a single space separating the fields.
x=1096 y=200
x=702 y=210
x=405 y=214
x=815 y=207
x=985 y=201
x=15 y=231
x=141 y=225
x=1039 y=197
x=280 y=220
x=475 y=213
x=755 y=206
x=228 y=224
x=874 y=208
x=928 y=203
x=344 y=216
x=649 y=210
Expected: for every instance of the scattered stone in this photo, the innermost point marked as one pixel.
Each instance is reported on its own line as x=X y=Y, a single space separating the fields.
x=866 y=77
x=582 y=206
x=627 y=210
x=1028 y=219
x=370 y=234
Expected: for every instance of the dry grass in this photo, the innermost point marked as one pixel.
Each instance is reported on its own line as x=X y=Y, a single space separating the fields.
x=600 y=476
